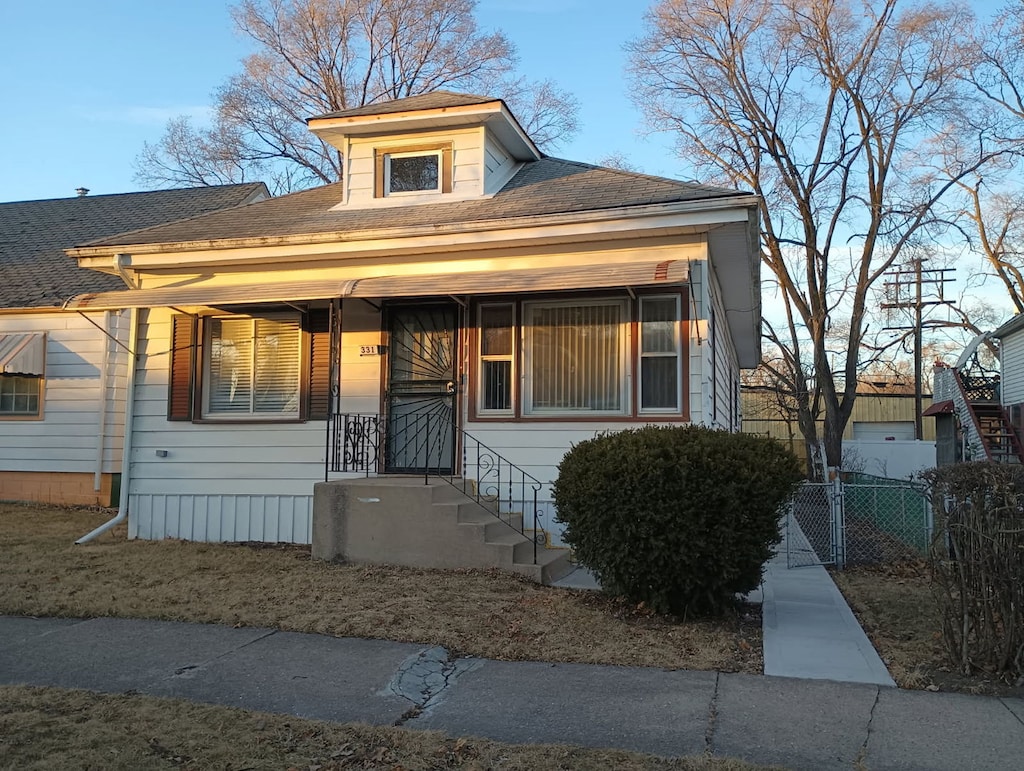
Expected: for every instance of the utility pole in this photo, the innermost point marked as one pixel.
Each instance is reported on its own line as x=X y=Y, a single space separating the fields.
x=905 y=287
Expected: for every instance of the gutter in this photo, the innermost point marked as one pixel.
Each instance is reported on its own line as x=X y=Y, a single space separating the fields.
x=129 y=415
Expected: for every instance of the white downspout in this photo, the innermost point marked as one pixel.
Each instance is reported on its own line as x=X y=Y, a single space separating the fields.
x=129 y=414
x=97 y=481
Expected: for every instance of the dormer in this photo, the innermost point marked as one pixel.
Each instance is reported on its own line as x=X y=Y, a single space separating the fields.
x=426 y=149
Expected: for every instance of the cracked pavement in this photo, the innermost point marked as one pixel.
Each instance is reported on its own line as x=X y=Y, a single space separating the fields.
x=798 y=724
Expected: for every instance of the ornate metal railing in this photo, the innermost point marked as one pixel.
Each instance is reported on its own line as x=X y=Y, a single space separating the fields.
x=432 y=445
x=979 y=388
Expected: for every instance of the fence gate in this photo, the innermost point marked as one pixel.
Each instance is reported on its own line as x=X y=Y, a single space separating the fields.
x=864 y=520
x=812 y=525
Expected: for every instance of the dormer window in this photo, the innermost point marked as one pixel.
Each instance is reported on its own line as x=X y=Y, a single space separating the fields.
x=407 y=171
x=412 y=172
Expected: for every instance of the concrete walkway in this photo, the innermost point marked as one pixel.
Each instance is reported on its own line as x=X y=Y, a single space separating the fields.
x=809 y=629
x=798 y=724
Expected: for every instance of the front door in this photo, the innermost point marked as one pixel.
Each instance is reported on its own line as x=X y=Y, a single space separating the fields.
x=422 y=388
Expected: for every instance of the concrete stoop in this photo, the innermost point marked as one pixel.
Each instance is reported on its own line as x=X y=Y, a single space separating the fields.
x=405 y=521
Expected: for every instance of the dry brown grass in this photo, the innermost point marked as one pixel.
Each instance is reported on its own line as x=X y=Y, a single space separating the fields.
x=480 y=613
x=895 y=605
x=49 y=728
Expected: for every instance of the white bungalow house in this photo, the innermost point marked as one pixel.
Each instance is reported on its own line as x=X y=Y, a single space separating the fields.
x=62 y=375
x=459 y=305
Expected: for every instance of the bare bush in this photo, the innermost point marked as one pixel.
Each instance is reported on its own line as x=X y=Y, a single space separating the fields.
x=977 y=563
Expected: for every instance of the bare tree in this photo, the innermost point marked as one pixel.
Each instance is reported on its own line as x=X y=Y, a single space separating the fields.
x=836 y=113
x=318 y=56
x=991 y=211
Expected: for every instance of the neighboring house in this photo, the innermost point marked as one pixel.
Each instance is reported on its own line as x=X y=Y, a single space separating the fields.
x=62 y=375
x=979 y=404
x=457 y=280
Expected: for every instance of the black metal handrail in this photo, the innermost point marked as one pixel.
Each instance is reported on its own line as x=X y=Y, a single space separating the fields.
x=432 y=445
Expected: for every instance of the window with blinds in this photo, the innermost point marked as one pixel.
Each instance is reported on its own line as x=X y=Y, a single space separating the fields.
x=575 y=357
x=252 y=366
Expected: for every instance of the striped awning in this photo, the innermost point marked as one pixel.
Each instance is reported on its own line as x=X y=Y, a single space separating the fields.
x=627 y=274
x=23 y=353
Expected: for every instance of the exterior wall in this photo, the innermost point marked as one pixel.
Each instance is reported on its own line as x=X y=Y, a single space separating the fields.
x=63 y=489
x=722 y=397
x=498 y=165
x=217 y=482
x=714 y=368
x=1011 y=361
x=81 y=429
x=467 y=164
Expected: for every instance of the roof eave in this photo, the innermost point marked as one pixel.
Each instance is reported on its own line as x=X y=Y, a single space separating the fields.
x=712 y=205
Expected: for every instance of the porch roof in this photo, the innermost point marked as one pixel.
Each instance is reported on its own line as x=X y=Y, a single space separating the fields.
x=631 y=274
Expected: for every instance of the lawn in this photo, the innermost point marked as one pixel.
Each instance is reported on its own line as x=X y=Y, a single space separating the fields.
x=47 y=728
x=479 y=613
x=895 y=605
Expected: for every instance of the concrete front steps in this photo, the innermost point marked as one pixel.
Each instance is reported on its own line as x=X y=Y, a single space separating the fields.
x=394 y=520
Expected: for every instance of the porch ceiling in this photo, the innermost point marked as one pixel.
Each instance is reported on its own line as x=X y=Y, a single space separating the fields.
x=633 y=274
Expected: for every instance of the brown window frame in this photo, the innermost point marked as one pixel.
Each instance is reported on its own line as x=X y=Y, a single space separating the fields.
x=632 y=413
x=187 y=363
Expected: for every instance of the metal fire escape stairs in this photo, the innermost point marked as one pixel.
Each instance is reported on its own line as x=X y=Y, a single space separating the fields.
x=986 y=428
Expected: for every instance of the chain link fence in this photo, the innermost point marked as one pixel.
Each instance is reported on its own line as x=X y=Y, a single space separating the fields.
x=810 y=526
x=860 y=520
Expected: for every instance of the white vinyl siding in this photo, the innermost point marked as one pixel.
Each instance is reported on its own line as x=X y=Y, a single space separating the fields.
x=1011 y=362
x=499 y=166
x=69 y=436
x=575 y=357
x=214 y=481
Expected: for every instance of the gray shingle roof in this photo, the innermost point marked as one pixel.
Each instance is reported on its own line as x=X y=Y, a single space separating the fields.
x=435 y=100
x=547 y=186
x=34 y=270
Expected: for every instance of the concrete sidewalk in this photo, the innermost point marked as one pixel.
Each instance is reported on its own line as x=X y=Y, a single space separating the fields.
x=799 y=724
x=809 y=629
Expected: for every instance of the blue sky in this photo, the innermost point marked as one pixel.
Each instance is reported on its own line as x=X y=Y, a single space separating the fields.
x=84 y=84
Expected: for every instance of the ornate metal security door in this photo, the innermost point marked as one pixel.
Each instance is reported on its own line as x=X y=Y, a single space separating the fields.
x=422 y=388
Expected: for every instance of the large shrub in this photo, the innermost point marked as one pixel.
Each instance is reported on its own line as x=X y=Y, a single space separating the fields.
x=977 y=561
x=680 y=518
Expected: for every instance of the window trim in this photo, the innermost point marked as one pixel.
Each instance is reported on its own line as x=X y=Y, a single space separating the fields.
x=40 y=393
x=381 y=165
